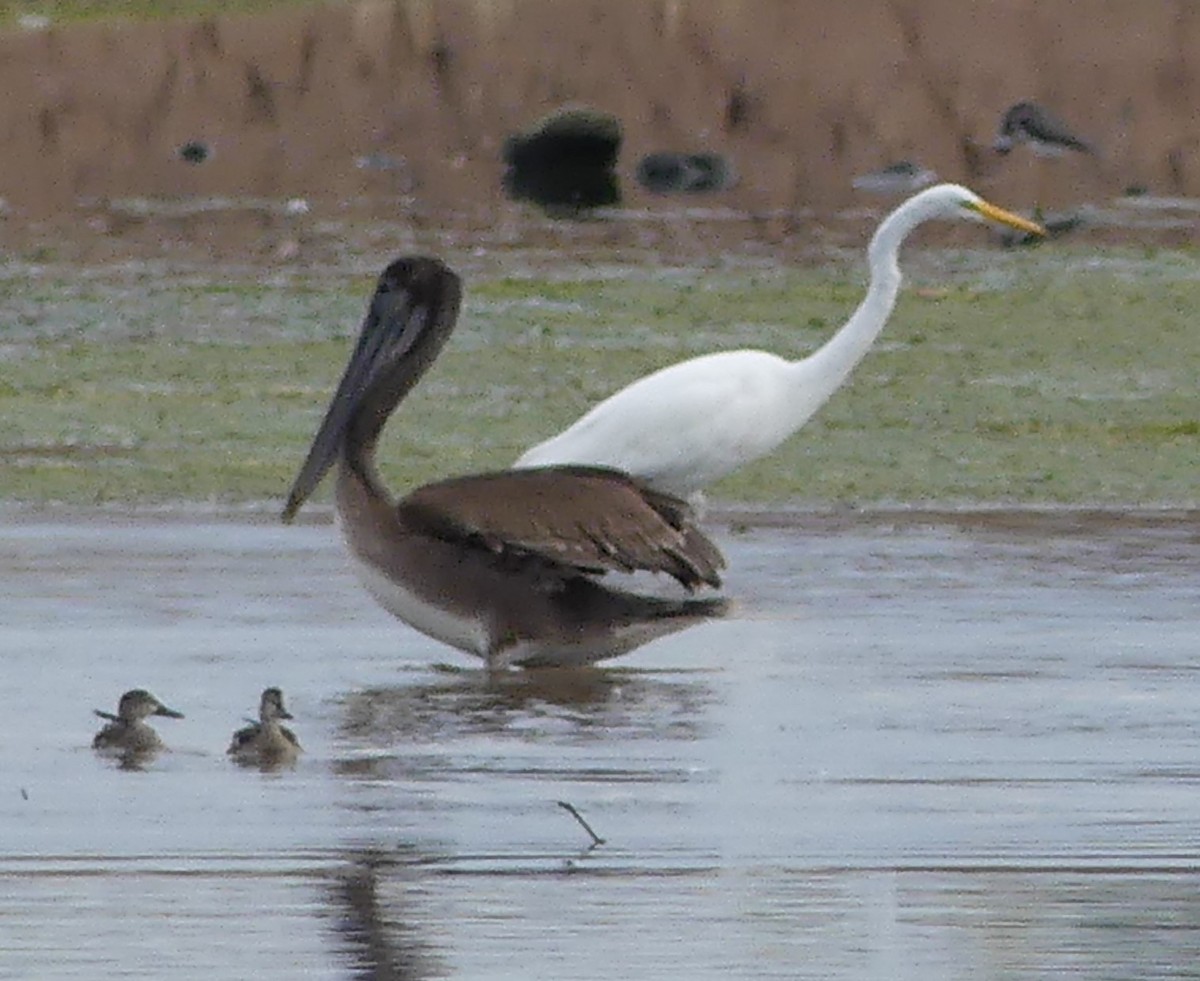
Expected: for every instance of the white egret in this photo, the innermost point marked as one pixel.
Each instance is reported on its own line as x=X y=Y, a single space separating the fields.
x=689 y=424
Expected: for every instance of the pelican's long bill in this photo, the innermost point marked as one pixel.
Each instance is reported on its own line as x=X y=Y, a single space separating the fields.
x=393 y=323
x=992 y=213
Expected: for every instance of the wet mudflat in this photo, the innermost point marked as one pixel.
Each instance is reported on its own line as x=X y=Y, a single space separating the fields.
x=927 y=746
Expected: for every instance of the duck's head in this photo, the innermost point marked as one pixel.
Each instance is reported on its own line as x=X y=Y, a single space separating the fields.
x=271 y=705
x=138 y=704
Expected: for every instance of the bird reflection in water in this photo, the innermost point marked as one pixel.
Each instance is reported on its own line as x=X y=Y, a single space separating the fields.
x=381 y=945
x=569 y=705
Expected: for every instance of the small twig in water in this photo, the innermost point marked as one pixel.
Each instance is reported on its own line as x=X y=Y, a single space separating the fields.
x=570 y=809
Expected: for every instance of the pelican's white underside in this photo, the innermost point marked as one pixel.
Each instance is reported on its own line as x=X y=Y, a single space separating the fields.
x=468 y=634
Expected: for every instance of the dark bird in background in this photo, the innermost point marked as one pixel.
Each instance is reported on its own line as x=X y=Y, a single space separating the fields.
x=902 y=177
x=684 y=173
x=1046 y=134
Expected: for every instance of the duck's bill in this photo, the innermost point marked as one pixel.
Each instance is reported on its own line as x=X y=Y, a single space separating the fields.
x=169 y=713
x=1002 y=217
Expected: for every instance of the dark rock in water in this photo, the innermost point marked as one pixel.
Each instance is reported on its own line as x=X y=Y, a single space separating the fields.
x=566 y=161
x=194 y=152
x=684 y=173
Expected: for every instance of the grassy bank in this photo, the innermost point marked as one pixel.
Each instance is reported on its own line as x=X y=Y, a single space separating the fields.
x=1009 y=380
x=65 y=11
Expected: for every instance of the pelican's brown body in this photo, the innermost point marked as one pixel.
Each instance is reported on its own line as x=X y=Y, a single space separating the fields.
x=503 y=565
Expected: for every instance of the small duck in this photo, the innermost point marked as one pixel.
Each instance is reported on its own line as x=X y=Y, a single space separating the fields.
x=126 y=733
x=266 y=741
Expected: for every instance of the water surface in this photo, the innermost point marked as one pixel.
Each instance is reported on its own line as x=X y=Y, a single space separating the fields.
x=931 y=746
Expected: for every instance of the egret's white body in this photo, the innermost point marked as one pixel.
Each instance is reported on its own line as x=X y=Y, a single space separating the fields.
x=691 y=423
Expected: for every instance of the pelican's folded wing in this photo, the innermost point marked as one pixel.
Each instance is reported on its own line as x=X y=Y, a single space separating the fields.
x=587 y=519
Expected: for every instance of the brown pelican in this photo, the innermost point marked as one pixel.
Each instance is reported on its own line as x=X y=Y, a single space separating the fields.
x=266 y=741
x=126 y=732
x=504 y=565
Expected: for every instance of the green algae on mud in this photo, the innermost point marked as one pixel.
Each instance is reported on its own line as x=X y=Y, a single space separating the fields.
x=1073 y=385
x=107 y=10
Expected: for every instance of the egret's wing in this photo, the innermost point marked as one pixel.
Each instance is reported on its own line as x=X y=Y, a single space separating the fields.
x=683 y=426
x=581 y=519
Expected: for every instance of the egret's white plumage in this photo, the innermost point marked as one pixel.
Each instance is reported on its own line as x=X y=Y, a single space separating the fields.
x=691 y=423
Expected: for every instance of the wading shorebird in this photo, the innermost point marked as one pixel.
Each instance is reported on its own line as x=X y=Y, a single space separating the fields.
x=902 y=177
x=689 y=424
x=126 y=733
x=504 y=565
x=266 y=741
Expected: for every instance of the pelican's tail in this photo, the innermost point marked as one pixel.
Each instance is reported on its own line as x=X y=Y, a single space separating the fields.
x=615 y=623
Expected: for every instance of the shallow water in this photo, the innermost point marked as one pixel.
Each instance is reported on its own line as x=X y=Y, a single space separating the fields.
x=934 y=746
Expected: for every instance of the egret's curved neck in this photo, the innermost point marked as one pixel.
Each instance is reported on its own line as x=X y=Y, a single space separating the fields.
x=823 y=372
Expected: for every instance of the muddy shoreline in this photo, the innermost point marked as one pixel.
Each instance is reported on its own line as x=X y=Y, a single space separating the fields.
x=733 y=517
x=799 y=97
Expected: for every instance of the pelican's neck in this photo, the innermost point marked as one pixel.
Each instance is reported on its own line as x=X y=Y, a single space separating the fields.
x=387 y=388
x=824 y=371
x=365 y=508
x=358 y=450
x=358 y=470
